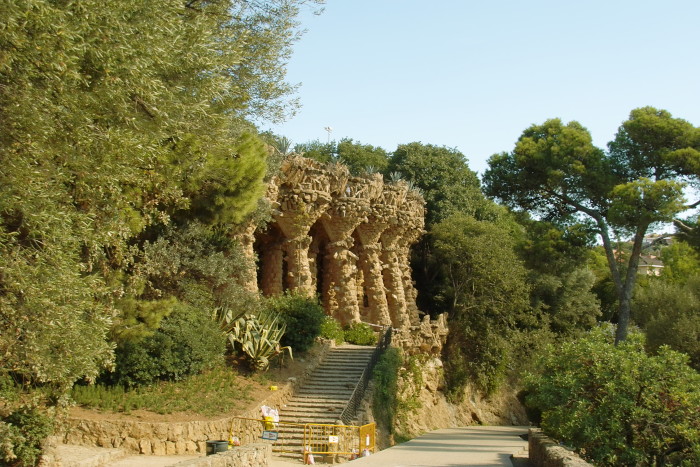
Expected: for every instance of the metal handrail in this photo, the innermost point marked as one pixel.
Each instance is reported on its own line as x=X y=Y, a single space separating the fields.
x=358 y=393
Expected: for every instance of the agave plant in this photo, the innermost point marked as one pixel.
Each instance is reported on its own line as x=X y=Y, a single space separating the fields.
x=258 y=337
x=226 y=318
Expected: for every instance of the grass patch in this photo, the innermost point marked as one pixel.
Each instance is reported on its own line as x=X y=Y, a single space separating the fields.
x=217 y=391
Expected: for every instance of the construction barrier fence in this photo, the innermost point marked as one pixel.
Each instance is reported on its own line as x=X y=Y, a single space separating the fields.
x=312 y=438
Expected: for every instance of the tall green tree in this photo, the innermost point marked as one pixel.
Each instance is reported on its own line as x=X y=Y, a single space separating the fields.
x=443 y=176
x=448 y=187
x=361 y=158
x=555 y=172
x=114 y=116
x=557 y=260
x=484 y=283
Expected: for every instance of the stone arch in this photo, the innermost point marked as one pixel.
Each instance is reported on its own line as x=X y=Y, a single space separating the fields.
x=271 y=263
x=344 y=238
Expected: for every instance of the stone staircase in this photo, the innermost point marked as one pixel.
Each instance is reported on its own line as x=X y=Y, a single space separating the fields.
x=322 y=398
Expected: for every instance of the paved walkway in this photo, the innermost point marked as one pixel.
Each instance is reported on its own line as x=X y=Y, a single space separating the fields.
x=472 y=446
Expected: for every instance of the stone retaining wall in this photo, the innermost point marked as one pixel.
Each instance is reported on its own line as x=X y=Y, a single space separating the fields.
x=545 y=452
x=258 y=454
x=150 y=438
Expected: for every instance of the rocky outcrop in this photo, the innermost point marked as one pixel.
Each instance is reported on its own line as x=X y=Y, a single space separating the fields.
x=343 y=238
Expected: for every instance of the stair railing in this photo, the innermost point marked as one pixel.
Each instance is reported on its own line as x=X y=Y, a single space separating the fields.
x=350 y=410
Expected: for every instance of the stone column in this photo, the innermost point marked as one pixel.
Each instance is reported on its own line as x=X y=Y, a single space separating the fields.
x=340 y=299
x=340 y=221
x=298 y=271
x=299 y=210
x=371 y=265
x=393 y=278
x=247 y=239
x=410 y=291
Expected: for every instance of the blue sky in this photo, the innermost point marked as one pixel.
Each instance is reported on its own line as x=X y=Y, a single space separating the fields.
x=473 y=75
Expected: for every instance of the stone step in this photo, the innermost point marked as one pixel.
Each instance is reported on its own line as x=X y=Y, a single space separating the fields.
x=325 y=400
x=339 y=386
x=301 y=403
x=340 y=374
x=310 y=417
x=327 y=390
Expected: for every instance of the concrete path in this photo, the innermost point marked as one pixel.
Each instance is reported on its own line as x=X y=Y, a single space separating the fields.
x=472 y=446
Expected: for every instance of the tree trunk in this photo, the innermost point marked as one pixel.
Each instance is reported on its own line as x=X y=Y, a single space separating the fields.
x=624 y=288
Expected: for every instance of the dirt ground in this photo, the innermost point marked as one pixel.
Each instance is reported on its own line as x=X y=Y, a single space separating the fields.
x=259 y=390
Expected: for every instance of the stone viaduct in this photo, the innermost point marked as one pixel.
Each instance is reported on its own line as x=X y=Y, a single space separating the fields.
x=346 y=239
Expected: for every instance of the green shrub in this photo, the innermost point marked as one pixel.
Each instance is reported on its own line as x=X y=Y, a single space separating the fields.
x=186 y=343
x=617 y=405
x=385 y=376
x=360 y=334
x=21 y=436
x=331 y=329
x=302 y=316
x=477 y=353
x=163 y=397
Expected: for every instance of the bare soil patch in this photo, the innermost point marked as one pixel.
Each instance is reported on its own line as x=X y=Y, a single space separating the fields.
x=258 y=384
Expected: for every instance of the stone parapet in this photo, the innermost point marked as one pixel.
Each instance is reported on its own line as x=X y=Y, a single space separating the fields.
x=258 y=454
x=545 y=452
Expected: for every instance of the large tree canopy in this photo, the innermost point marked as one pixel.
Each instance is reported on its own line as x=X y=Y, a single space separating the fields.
x=114 y=116
x=556 y=173
x=442 y=175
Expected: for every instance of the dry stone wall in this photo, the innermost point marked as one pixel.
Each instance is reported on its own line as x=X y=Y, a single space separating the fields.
x=545 y=452
x=176 y=438
x=258 y=455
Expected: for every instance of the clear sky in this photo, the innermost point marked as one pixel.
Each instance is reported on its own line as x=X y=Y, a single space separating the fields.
x=472 y=75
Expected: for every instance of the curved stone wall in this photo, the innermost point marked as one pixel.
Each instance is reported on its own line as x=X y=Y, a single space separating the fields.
x=344 y=238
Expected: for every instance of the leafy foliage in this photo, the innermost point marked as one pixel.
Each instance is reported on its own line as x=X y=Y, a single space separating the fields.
x=116 y=119
x=22 y=433
x=489 y=297
x=187 y=342
x=617 y=405
x=555 y=172
x=360 y=334
x=208 y=393
x=362 y=158
x=669 y=313
x=385 y=377
x=442 y=174
x=302 y=318
x=331 y=329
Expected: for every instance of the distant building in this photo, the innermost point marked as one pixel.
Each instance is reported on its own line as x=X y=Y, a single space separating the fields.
x=650 y=265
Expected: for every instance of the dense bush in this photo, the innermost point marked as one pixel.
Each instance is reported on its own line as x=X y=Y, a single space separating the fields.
x=385 y=402
x=360 y=334
x=331 y=329
x=617 y=405
x=303 y=317
x=187 y=342
x=21 y=436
